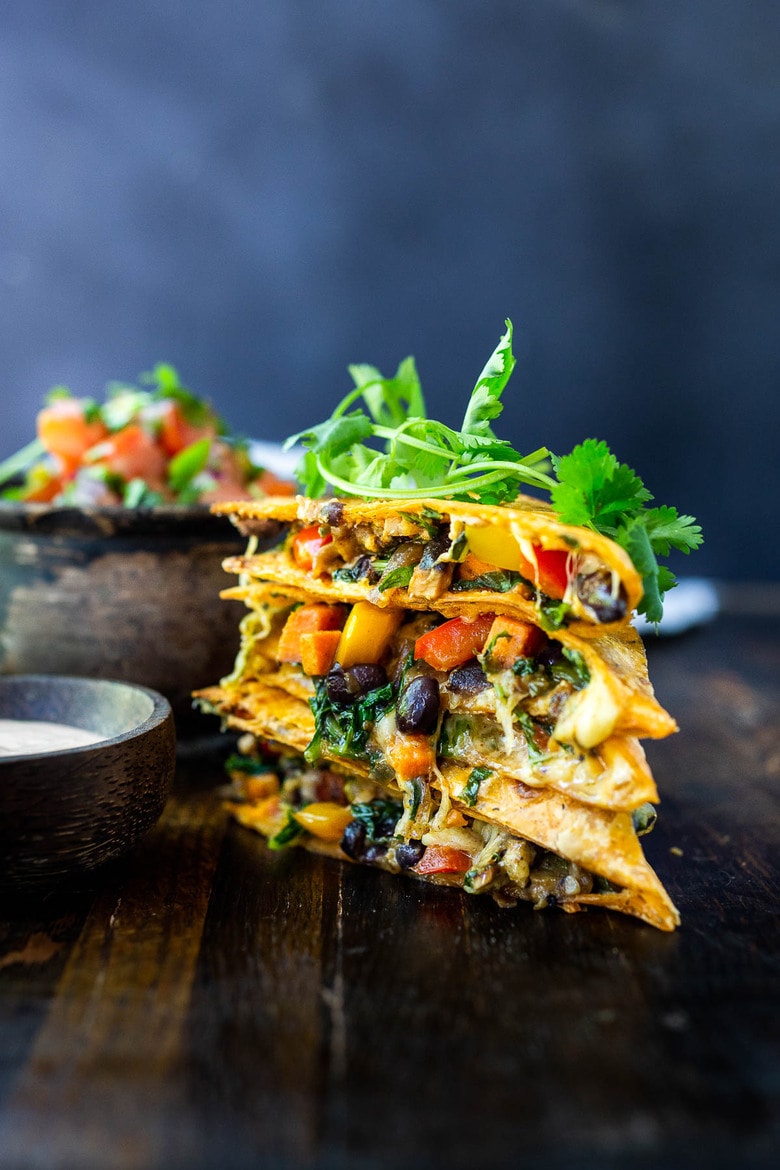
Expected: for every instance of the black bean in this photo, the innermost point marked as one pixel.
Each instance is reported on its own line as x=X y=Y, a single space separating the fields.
x=385 y=825
x=338 y=688
x=374 y=852
x=353 y=842
x=268 y=532
x=418 y=705
x=468 y=679
x=595 y=592
x=344 y=686
x=367 y=676
x=549 y=654
x=332 y=512
x=363 y=567
x=409 y=853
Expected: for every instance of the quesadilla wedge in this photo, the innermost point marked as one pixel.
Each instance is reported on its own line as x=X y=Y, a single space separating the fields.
x=373 y=692
x=557 y=575
x=478 y=829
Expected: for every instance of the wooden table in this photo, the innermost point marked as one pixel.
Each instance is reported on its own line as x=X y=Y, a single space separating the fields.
x=207 y=1003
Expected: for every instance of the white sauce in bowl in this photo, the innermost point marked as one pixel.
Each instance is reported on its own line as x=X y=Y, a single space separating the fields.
x=24 y=737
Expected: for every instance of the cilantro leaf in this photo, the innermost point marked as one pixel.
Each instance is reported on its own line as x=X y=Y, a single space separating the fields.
x=667 y=529
x=597 y=491
x=391 y=400
x=485 y=402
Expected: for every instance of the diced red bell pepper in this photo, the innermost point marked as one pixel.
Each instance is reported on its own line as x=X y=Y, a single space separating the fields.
x=551 y=571
x=454 y=642
x=443 y=859
x=306 y=544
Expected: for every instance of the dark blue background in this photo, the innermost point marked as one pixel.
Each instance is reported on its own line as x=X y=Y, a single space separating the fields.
x=262 y=192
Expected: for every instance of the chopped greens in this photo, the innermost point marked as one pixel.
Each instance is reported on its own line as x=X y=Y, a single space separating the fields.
x=387 y=448
x=288 y=833
x=498 y=581
x=397 y=578
x=345 y=729
x=379 y=817
x=250 y=765
x=420 y=454
x=471 y=788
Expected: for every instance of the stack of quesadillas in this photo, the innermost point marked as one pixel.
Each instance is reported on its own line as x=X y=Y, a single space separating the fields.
x=452 y=690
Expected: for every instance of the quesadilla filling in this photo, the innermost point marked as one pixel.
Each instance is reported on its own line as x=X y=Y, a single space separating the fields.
x=427 y=555
x=412 y=829
x=403 y=692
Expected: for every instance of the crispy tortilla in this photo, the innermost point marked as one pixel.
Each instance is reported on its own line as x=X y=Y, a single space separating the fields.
x=602 y=841
x=531 y=523
x=619 y=686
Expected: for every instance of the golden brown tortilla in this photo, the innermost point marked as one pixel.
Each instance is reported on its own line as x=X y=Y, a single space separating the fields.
x=616 y=662
x=531 y=522
x=602 y=841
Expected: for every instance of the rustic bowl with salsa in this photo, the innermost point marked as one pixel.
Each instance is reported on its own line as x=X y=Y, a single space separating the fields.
x=110 y=560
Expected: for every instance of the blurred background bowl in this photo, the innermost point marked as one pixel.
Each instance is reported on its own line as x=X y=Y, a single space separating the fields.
x=118 y=593
x=64 y=813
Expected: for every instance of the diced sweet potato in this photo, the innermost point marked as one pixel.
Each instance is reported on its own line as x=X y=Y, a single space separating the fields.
x=510 y=639
x=318 y=651
x=307 y=619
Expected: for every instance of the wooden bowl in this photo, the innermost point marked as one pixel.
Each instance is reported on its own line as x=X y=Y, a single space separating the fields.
x=119 y=593
x=66 y=812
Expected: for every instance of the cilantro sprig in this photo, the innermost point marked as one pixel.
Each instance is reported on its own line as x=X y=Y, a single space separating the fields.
x=416 y=454
x=597 y=491
x=387 y=448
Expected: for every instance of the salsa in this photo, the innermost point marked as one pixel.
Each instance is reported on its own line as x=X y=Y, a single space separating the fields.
x=141 y=447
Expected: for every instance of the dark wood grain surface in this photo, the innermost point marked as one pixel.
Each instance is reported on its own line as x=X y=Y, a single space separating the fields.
x=208 y=1003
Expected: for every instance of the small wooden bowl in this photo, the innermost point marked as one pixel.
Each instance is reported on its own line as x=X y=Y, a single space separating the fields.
x=64 y=813
x=130 y=594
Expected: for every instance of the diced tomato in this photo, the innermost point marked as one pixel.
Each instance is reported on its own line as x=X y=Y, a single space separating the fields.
x=43 y=492
x=272 y=485
x=223 y=492
x=64 y=430
x=551 y=570
x=510 y=639
x=307 y=619
x=443 y=859
x=454 y=642
x=411 y=755
x=132 y=453
x=306 y=544
x=176 y=432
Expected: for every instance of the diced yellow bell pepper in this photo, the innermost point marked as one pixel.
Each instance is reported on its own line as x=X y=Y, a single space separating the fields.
x=495 y=545
x=324 y=819
x=367 y=633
